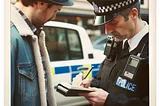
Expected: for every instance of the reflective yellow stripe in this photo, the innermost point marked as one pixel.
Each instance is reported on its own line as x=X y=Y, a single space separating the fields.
x=53 y=71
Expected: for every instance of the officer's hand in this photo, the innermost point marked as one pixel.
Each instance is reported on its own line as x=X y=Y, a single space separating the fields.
x=79 y=81
x=96 y=98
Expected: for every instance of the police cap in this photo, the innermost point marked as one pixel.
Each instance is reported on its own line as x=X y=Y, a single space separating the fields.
x=107 y=10
x=62 y=2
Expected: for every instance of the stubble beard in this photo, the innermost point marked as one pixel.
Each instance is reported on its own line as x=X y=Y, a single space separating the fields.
x=118 y=36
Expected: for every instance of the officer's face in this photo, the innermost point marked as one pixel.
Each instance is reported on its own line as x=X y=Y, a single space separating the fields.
x=120 y=28
x=45 y=13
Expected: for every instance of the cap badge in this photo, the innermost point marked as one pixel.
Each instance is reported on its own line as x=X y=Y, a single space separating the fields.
x=95 y=7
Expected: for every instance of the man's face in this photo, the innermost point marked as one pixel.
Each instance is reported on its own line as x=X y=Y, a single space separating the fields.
x=45 y=13
x=120 y=28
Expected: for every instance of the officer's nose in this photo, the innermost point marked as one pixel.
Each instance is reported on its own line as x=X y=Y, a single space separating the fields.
x=108 y=28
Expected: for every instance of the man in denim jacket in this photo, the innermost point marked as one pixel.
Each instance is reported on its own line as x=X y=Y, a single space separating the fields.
x=29 y=57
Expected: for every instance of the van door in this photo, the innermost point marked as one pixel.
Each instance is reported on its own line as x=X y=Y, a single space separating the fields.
x=67 y=58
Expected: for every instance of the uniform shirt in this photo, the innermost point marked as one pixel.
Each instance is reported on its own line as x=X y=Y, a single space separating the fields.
x=133 y=42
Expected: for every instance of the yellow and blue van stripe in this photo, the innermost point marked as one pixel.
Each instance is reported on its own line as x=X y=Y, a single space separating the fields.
x=74 y=70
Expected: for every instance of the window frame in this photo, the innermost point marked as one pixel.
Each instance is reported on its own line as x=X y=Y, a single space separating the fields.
x=66 y=30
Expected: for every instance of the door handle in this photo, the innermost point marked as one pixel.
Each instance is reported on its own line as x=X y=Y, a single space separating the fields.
x=82 y=68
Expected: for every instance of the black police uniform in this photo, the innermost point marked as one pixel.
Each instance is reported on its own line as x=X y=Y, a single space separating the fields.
x=137 y=92
x=123 y=91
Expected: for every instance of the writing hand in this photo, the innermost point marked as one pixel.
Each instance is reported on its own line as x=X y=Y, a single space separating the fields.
x=80 y=81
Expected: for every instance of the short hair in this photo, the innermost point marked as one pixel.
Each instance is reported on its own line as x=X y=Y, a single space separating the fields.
x=125 y=13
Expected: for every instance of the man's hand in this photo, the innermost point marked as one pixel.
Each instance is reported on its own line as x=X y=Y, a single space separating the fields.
x=79 y=81
x=96 y=98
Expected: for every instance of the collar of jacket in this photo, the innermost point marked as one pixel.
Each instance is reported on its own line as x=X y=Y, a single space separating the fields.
x=18 y=21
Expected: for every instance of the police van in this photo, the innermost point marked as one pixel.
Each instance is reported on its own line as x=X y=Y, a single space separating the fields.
x=71 y=52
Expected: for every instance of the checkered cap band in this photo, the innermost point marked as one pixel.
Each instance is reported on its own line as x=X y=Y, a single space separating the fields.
x=112 y=7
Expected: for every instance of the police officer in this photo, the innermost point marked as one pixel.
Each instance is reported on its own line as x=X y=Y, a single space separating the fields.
x=119 y=83
x=31 y=77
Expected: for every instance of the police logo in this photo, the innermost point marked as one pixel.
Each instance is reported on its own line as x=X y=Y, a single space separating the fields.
x=123 y=83
x=95 y=7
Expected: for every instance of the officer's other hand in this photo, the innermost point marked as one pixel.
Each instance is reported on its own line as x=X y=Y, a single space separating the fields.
x=96 y=98
x=80 y=81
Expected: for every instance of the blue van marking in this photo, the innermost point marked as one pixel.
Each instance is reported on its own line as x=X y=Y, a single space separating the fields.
x=94 y=73
x=74 y=68
x=61 y=70
x=96 y=65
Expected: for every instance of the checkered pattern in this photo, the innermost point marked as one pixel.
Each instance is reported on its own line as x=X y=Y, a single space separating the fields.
x=112 y=7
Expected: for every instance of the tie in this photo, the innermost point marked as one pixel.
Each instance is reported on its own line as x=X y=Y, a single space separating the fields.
x=126 y=46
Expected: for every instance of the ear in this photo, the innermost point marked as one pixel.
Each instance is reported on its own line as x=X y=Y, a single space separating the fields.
x=134 y=13
x=40 y=5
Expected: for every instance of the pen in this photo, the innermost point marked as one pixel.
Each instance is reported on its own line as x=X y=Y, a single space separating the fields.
x=87 y=74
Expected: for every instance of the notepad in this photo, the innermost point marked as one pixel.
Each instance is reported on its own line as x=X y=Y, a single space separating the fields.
x=67 y=89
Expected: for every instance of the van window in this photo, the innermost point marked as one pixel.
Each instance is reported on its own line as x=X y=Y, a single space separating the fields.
x=63 y=44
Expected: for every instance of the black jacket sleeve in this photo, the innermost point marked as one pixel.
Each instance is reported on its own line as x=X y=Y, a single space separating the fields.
x=123 y=100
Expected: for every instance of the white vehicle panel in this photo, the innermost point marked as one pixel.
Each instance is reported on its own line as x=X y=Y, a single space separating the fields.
x=65 y=69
